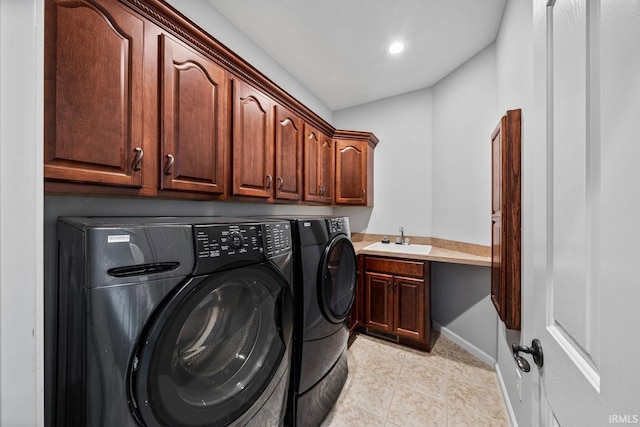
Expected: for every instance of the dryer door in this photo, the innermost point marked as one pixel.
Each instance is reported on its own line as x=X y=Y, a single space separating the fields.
x=338 y=279
x=211 y=352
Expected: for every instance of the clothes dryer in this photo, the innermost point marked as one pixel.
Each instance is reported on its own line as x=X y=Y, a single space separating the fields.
x=173 y=321
x=324 y=291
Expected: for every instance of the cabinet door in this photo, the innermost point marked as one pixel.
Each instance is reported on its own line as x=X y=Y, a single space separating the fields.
x=192 y=119
x=497 y=276
x=252 y=142
x=311 y=171
x=93 y=93
x=409 y=309
x=288 y=160
x=326 y=168
x=378 y=310
x=505 y=218
x=351 y=172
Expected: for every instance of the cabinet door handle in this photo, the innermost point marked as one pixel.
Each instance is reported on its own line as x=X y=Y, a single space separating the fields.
x=167 y=169
x=280 y=183
x=363 y=193
x=269 y=181
x=389 y=287
x=322 y=190
x=136 y=162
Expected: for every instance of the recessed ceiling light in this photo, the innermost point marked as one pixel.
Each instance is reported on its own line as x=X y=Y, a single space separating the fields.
x=396 y=47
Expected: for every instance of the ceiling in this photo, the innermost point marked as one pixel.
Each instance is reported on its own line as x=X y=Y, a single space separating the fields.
x=337 y=48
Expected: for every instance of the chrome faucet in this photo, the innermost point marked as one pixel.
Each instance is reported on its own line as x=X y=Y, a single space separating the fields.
x=402 y=239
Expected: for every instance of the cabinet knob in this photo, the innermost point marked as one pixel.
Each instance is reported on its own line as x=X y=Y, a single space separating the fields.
x=269 y=181
x=280 y=183
x=136 y=162
x=321 y=190
x=170 y=160
x=363 y=192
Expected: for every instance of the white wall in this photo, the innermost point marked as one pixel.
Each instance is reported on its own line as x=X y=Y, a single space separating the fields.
x=21 y=296
x=433 y=176
x=464 y=115
x=514 y=52
x=210 y=20
x=402 y=163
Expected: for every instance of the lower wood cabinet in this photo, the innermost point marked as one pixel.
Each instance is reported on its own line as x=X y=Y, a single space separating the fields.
x=396 y=300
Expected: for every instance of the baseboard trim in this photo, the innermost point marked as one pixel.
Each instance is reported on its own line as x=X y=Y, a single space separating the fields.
x=505 y=396
x=480 y=354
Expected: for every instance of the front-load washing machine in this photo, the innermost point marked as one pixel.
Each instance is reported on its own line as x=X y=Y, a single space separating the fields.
x=173 y=322
x=324 y=291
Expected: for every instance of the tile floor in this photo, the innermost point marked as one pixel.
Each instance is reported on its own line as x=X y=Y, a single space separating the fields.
x=390 y=385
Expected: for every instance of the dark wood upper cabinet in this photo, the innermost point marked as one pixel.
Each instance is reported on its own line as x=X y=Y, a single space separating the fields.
x=288 y=154
x=253 y=138
x=318 y=166
x=138 y=101
x=354 y=168
x=505 y=219
x=93 y=93
x=193 y=131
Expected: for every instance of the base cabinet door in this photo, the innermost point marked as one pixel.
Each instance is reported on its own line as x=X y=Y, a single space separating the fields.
x=408 y=309
x=93 y=93
x=397 y=299
x=379 y=301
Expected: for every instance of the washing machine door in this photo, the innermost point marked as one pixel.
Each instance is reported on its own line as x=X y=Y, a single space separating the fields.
x=338 y=270
x=212 y=350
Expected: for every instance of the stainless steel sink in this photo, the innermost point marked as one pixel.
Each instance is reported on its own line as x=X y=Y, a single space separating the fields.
x=401 y=249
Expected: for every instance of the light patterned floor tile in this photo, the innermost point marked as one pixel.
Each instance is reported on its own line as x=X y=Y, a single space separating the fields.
x=395 y=386
x=369 y=392
x=410 y=408
x=424 y=378
x=457 y=417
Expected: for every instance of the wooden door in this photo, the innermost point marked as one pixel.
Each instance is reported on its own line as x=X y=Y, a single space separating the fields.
x=252 y=142
x=409 y=307
x=326 y=168
x=93 y=93
x=193 y=106
x=378 y=295
x=497 y=272
x=311 y=171
x=351 y=172
x=586 y=236
x=506 y=219
x=288 y=155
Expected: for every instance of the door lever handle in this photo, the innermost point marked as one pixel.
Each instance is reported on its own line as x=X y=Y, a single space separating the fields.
x=535 y=350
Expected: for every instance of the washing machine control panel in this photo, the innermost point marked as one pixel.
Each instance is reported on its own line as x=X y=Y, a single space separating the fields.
x=218 y=246
x=277 y=238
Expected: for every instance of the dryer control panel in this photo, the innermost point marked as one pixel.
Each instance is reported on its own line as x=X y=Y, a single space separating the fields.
x=226 y=245
x=338 y=225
